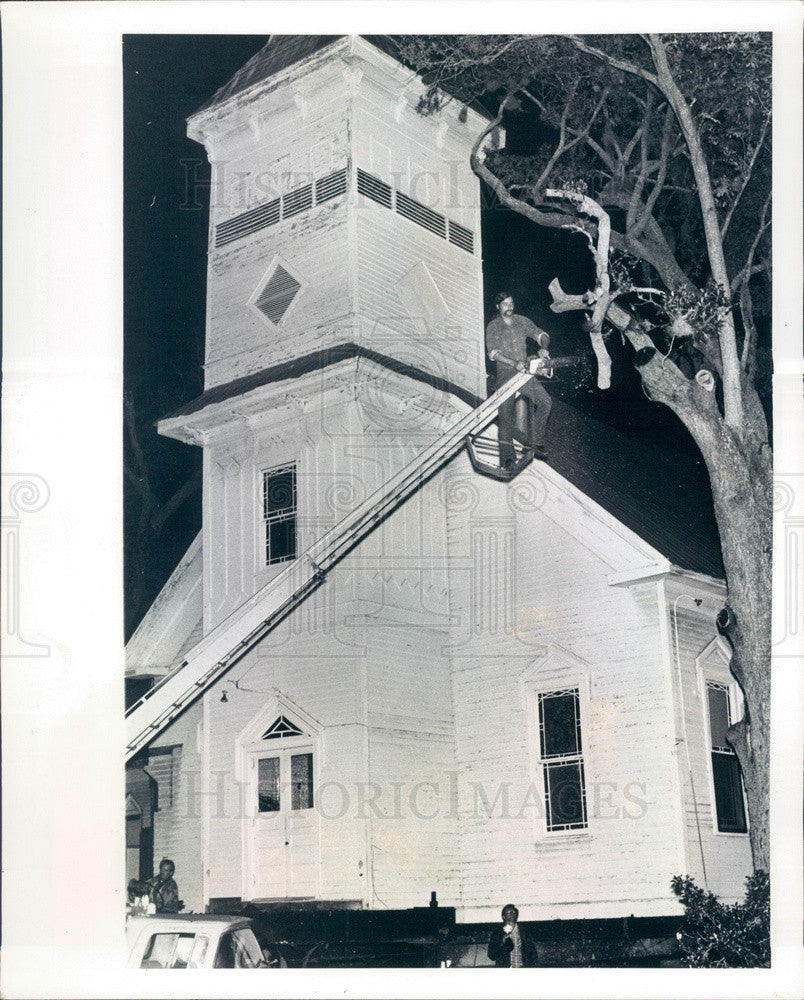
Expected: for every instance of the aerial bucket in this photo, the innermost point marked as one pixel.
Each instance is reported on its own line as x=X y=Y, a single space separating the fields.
x=484 y=447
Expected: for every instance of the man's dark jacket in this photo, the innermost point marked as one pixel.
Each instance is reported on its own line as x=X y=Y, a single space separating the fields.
x=501 y=946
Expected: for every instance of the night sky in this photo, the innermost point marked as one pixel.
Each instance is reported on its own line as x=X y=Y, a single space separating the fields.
x=166 y=78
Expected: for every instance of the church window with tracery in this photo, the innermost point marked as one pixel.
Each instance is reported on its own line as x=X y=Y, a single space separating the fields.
x=561 y=756
x=279 y=513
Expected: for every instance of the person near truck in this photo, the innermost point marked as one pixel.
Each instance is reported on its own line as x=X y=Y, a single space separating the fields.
x=161 y=889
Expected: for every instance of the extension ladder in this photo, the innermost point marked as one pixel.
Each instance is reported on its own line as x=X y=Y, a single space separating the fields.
x=246 y=626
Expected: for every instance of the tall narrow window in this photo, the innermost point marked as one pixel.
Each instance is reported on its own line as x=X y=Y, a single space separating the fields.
x=561 y=753
x=301 y=781
x=268 y=784
x=279 y=513
x=725 y=766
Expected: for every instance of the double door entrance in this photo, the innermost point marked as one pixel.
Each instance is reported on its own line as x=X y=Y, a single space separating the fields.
x=284 y=837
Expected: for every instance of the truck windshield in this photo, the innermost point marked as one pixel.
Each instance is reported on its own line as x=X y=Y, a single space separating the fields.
x=175 y=951
x=238 y=950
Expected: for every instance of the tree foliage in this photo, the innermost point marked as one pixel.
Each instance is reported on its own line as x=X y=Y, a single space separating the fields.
x=719 y=936
x=608 y=132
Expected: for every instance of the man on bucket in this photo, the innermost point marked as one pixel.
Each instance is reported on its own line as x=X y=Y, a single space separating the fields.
x=506 y=337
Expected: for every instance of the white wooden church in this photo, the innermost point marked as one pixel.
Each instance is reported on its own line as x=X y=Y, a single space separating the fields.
x=499 y=691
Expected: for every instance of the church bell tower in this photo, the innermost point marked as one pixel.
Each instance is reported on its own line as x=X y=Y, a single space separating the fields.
x=344 y=265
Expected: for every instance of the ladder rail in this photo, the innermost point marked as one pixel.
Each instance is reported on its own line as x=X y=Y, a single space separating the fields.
x=213 y=654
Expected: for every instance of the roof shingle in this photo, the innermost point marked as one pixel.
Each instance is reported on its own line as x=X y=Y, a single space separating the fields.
x=277 y=54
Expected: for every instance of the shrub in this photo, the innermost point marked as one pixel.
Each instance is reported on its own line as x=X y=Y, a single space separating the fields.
x=716 y=936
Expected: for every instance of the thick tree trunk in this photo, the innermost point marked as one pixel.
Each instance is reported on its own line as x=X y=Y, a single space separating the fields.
x=743 y=508
x=740 y=475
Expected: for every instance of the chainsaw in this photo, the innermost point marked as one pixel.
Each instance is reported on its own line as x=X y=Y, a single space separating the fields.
x=546 y=367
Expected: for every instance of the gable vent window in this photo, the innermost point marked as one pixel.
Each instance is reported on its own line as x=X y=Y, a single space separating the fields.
x=726 y=778
x=248 y=222
x=331 y=186
x=561 y=755
x=461 y=236
x=421 y=215
x=280 y=728
x=279 y=514
x=297 y=201
x=372 y=187
x=278 y=293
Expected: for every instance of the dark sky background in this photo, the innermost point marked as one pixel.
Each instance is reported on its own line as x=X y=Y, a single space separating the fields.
x=166 y=78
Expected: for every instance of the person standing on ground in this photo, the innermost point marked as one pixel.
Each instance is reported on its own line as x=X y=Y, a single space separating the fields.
x=510 y=947
x=506 y=337
x=161 y=889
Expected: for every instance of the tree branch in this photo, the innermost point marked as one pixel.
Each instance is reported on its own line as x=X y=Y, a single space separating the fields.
x=560 y=145
x=653 y=248
x=167 y=510
x=746 y=177
x=138 y=483
x=732 y=381
x=660 y=177
x=578 y=134
x=639 y=187
x=553 y=220
x=745 y=272
x=749 y=329
x=620 y=64
x=599 y=300
x=639 y=135
x=662 y=380
x=131 y=430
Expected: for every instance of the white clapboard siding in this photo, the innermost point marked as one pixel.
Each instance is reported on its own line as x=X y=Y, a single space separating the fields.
x=562 y=601
x=389 y=247
x=309 y=246
x=341 y=454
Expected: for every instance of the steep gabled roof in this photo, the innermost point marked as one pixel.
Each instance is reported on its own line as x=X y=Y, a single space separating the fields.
x=282 y=51
x=662 y=496
x=277 y=54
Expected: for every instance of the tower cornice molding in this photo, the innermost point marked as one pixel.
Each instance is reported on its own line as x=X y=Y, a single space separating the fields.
x=397 y=389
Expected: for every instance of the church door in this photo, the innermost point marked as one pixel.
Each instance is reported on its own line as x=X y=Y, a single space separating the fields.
x=284 y=834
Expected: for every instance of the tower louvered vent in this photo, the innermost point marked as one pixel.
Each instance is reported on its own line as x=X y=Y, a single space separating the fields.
x=333 y=186
x=372 y=187
x=297 y=201
x=421 y=214
x=461 y=236
x=279 y=291
x=246 y=223
x=330 y=186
